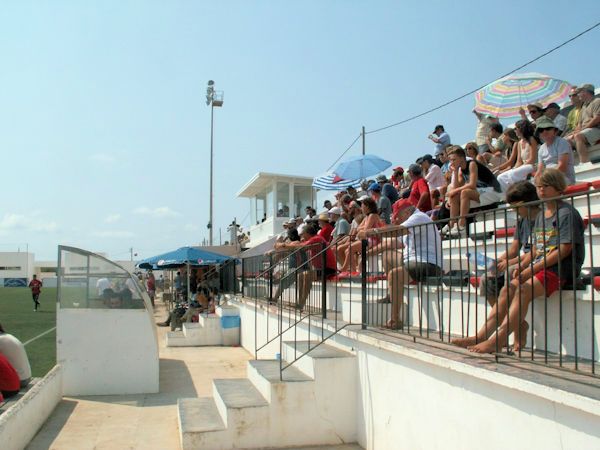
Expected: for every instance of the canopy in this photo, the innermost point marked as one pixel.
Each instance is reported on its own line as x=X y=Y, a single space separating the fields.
x=184 y=255
x=362 y=166
x=329 y=182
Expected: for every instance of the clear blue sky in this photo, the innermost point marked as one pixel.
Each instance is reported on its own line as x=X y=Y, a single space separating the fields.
x=105 y=132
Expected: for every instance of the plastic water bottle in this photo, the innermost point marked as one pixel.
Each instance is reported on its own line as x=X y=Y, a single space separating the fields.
x=481 y=261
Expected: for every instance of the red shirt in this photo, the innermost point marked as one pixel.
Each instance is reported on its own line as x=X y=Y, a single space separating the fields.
x=9 y=378
x=325 y=232
x=36 y=286
x=315 y=252
x=150 y=284
x=418 y=187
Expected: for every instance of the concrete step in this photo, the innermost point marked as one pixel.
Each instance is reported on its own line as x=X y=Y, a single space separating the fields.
x=266 y=376
x=200 y=424
x=309 y=358
x=175 y=339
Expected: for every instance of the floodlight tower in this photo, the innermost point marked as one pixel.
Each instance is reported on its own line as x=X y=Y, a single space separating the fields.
x=213 y=98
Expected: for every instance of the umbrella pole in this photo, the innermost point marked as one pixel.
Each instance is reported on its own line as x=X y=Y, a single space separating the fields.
x=188 y=281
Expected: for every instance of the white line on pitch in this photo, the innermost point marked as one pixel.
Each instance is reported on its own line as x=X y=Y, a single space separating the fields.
x=40 y=335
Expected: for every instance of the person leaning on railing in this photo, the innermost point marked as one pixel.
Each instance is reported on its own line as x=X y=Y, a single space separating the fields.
x=412 y=250
x=314 y=244
x=555 y=260
x=493 y=283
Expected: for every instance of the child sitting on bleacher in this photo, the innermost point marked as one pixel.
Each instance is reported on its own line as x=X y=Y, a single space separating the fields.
x=556 y=258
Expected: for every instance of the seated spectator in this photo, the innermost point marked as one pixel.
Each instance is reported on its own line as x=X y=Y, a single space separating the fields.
x=535 y=110
x=558 y=253
x=496 y=131
x=325 y=227
x=440 y=138
x=416 y=256
x=573 y=117
x=555 y=152
x=384 y=207
x=352 y=192
x=420 y=197
x=508 y=139
x=14 y=350
x=351 y=250
x=342 y=226
x=445 y=162
x=484 y=124
x=523 y=160
x=435 y=179
x=102 y=284
x=472 y=151
x=398 y=179
x=473 y=184
x=387 y=189
x=587 y=133
x=327 y=205
x=9 y=378
x=314 y=244
x=552 y=112
x=310 y=213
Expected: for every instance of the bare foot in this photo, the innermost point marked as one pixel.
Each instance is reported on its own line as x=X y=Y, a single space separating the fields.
x=464 y=342
x=522 y=341
x=488 y=346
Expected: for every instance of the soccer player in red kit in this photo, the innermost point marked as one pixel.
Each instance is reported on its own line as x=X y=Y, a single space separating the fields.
x=36 y=288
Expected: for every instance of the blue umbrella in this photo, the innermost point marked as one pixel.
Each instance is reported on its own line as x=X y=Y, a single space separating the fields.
x=327 y=182
x=362 y=166
x=184 y=255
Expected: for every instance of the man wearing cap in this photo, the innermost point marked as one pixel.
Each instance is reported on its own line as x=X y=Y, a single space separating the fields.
x=555 y=151
x=419 y=196
x=485 y=121
x=587 y=133
x=535 y=110
x=552 y=112
x=387 y=189
x=326 y=227
x=414 y=254
x=384 y=206
x=342 y=227
x=440 y=138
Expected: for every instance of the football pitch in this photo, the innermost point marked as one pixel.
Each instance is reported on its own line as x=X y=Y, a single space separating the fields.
x=35 y=329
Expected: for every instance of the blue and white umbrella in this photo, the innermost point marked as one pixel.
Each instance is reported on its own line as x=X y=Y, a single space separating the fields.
x=362 y=166
x=330 y=182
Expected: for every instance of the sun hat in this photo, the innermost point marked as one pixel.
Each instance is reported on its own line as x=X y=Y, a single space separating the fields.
x=543 y=123
x=335 y=210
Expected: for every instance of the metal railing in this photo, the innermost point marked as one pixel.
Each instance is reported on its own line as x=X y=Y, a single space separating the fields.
x=463 y=302
x=446 y=305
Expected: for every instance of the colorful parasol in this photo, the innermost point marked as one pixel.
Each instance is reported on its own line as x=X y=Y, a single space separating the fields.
x=504 y=97
x=331 y=182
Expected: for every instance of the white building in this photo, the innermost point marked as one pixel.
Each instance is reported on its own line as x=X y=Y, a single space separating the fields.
x=274 y=198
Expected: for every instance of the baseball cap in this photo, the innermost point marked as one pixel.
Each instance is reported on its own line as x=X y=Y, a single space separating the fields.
x=536 y=105
x=587 y=87
x=364 y=197
x=543 y=123
x=381 y=178
x=552 y=105
x=335 y=210
x=399 y=169
x=374 y=187
x=292 y=221
x=427 y=158
x=436 y=128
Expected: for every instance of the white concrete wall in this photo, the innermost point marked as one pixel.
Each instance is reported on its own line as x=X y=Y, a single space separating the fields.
x=23 y=260
x=20 y=423
x=107 y=351
x=410 y=399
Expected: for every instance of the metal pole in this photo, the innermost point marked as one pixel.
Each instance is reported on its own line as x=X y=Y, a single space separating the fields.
x=210 y=230
x=363 y=140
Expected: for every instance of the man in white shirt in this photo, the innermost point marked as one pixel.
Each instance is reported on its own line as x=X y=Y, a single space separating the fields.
x=101 y=285
x=415 y=253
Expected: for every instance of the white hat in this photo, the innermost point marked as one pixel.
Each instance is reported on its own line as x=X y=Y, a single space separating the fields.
x=301 y=228
x=336 y=210
x=363 y=197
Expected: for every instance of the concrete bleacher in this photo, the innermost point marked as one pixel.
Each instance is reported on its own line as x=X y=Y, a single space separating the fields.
x=222 y=328
x=9 y=402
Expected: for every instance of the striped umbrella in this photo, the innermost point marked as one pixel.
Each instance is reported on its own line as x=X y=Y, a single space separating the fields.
x=331 y=182
x=504 y=97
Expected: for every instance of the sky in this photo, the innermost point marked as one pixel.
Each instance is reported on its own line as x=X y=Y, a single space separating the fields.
x=105 y=132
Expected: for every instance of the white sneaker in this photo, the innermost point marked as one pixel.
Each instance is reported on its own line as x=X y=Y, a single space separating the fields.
x=458 y=231
x=445 y=229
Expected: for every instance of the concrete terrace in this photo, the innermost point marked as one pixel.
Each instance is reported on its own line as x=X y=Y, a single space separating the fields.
x=145 y=421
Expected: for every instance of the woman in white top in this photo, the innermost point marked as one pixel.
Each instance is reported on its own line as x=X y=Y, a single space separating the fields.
x=523 y=159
